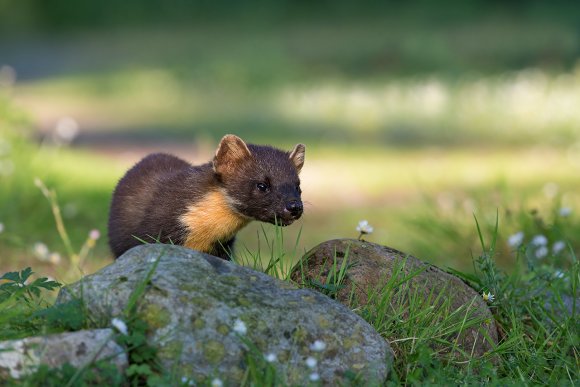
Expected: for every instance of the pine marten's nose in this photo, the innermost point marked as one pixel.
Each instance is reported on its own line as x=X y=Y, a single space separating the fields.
x=295 y=207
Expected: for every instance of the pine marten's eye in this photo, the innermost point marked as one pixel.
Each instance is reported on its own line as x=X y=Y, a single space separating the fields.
x=263 y=187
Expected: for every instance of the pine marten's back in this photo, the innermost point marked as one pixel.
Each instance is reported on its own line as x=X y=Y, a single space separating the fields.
x=144 y=200
x=165 y=199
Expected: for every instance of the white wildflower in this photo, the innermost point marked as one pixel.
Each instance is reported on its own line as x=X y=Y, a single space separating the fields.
x=41 y=251
x=558 y=247
x=314 y=377
x=54 y=258
x=94 y=234
x=318 y=346
x=364 y=227
x=119 y=325
x=565 y=212
x=1 y=227
x=559 y=274
x=311 y=362
x=541 y=252
x=271 y=357
x=217 y=383
x=516 y=239
x=240 y=327
x=66 y=130
x=488 y=297
x=540 y=240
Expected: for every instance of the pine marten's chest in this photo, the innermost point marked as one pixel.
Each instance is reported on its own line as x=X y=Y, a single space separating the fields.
x=211 y=220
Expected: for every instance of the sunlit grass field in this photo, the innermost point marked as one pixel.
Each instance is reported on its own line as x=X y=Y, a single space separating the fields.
x=414 y=127
x=518 y=108
x=420 y=201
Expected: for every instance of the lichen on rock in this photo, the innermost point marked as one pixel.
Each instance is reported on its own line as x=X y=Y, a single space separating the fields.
x=155 y=315
x=196 y=300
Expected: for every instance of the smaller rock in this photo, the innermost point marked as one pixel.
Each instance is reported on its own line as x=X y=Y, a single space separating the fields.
x=79 y=349
x=370 y=266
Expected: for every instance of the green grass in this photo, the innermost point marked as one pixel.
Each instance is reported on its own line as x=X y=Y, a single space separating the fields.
x=531 y=106
x=537 y=346
x=538 y=337
x=427 y=120
x=410 y=122
x=419 y=200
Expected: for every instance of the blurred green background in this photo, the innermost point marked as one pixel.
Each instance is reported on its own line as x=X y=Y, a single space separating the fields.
x=416 y=115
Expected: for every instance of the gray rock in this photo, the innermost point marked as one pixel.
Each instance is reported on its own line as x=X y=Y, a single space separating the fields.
x=372 y=266
x=193 y=303
x=21 y=357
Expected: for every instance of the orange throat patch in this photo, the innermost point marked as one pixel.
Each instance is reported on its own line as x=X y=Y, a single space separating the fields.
x=211 y=220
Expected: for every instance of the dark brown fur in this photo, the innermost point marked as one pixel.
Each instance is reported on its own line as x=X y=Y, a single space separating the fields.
x=165 y=199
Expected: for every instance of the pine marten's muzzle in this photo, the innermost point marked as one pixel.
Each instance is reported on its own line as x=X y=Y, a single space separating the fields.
x=295 y=208
x=292 y=210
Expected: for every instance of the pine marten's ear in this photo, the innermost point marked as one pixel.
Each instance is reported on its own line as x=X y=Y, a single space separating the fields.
x=231 y=152
x=297 y=156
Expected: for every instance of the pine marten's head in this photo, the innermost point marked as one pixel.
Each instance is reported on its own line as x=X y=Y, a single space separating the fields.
x=260 y=182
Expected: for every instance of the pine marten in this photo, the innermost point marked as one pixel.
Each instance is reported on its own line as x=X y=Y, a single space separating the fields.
x=167 y=200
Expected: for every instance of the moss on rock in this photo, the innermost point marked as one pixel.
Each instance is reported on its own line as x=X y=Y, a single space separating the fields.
x=192 y=302
x=155 y=315
x=213 y=351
